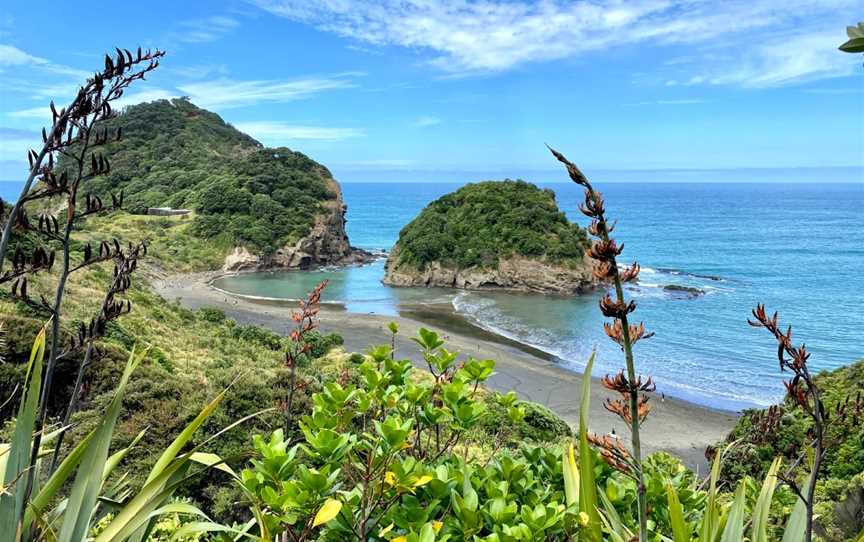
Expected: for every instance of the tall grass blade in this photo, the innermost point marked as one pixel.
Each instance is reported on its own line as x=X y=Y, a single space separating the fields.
x=680 y=528
x=39 y=504
x=587 y=484
x=711 y=517
x=612 y=520
x=88 y=480
x=571 y=475
x=184 y=437
x=20 y=448
x=734 y=530
x=171 y=452
x=796 y=525
x=763 y=504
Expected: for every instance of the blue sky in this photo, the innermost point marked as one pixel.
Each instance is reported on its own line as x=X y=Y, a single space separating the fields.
x=423 y=89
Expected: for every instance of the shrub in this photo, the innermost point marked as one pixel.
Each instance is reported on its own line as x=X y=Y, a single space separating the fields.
x=480 y=223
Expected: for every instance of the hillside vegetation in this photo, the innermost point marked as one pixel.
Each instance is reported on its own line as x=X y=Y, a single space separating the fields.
x=176 y=154
x=480 y=223
x=761 y=435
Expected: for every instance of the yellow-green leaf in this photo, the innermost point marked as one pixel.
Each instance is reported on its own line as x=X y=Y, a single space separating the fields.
x=328 y=511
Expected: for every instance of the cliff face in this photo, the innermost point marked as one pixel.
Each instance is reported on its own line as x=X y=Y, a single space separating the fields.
x=326 y=244
x=516 y=273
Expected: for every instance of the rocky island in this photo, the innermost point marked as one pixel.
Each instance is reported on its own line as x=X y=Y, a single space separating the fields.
x=493 y=235
x=264 y=208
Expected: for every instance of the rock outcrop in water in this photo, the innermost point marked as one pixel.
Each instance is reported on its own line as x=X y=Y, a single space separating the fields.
x=493 y=235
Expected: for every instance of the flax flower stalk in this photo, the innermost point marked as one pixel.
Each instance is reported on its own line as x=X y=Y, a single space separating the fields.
x=633 y=406
x=306 y=320
x=804 y=392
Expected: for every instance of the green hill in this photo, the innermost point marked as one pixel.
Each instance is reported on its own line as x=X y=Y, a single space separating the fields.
x=480 y=223
x=175 y=154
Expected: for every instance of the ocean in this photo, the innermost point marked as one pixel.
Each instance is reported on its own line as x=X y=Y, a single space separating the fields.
x=798 y=248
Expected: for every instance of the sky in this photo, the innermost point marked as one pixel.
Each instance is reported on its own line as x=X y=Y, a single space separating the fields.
x=424 y=89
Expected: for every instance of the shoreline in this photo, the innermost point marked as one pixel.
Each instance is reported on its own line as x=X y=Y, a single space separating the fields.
x=682 y=428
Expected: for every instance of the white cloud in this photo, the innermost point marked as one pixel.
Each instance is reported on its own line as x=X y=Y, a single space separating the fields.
x=273 y=132
x=41 y=112
x=787 y=59
x=225 y=93
x=684 y=101
x=13 y=56
x=463 y=37
x=206 y=29
x=14 y=143
x=427 y=121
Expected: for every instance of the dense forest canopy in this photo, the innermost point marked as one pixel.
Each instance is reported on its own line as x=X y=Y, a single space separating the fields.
x=480 y=223
x=176 y=154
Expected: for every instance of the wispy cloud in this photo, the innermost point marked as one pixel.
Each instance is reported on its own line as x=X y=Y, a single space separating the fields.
x=274 y=132
x=31 y=113
x=216 y=94
x=832 y=91
x=226 y=93
x=785 y=59
x=200 y=71
x=205 y=30
x=685 y=101
x=426 y=121
x=15 y=142
x=11 y=56
x=462 y=38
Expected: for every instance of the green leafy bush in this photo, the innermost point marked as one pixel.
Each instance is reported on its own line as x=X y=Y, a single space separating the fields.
x=480 y=223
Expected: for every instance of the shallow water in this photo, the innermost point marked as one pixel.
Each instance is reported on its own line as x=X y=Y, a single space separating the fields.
x=797 y=248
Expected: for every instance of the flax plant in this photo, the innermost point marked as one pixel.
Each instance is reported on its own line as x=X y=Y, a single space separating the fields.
x=804 y=392
x=76 y=134
x=632 y=406
x=306 y=320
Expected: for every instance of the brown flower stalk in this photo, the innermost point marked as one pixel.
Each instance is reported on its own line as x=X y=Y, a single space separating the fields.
x=125 y=264
x=75 y=134
x=633 y=406
x=306 y=319
x=614 y=453
x=804 y=392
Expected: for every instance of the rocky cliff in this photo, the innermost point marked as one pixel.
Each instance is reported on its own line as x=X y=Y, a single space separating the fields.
x=493 y=235
x=325 y=244
x=516 y=273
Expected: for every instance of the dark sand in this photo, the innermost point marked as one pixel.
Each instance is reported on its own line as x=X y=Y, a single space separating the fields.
x=681 y=428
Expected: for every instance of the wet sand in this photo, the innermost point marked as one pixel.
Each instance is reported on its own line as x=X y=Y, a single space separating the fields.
x=681 y=428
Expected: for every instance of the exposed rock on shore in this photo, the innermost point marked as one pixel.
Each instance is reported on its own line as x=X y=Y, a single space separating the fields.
x=519 y=274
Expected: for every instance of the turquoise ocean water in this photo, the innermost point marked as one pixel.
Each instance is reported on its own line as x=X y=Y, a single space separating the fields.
x=798 y=248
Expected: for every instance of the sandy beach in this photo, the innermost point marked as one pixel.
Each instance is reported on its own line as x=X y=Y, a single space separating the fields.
x=681 y=428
